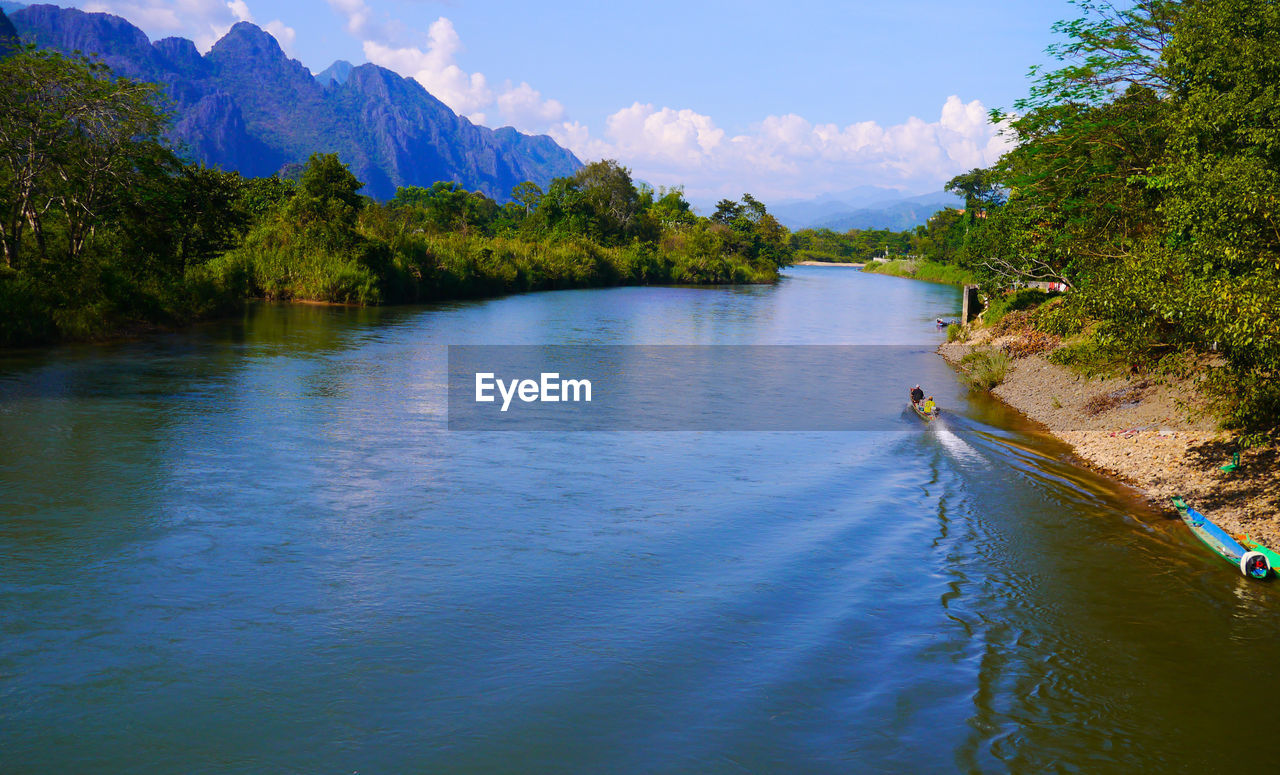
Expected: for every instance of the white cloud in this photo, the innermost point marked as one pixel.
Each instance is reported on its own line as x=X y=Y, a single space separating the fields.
x=666 y=136
x=359 y=16
x=523 y=106
x=240 y=9
x=786 y=156
x=202 y=21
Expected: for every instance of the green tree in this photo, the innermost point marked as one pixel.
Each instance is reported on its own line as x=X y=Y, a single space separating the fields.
x=612 y=201
x=671 y=211
x=1221 y=180
x=527 y=194
x=74 y=142
x=979 y=187
x=327 y=191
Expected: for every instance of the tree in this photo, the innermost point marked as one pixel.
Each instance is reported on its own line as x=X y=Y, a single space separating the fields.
x=73 y=143
x=611 y=199
x=727 y=211
x=528 y=194
x=1220 y=177
x=979 y=187
x=1108 y=50
x=327 y=186
x=446 y=206
x=1086 y=140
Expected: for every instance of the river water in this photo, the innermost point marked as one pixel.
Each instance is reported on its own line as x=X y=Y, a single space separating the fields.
x=254 y=546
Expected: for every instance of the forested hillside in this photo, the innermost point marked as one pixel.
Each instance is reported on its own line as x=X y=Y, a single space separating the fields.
x=247 y=107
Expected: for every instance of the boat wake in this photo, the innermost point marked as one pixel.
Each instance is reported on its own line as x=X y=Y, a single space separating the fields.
x=958 y=447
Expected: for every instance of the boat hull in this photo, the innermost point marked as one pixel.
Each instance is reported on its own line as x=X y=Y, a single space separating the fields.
x=923 y=415
x=1219 y=541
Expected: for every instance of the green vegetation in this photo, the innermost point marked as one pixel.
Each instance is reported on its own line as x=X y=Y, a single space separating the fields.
x=1026 y=298
x=104 y=229
x=922 y=269
x=984 y=369
x=1145 y=175
x=852 y=247
x=1088 y=357
x=940 y=240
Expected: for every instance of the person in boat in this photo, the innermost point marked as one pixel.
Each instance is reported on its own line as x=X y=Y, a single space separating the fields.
x=1258 y=566
x=917 y=395
x=929 y=406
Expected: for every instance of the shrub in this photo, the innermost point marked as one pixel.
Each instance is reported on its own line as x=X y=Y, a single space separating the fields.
x=1059 y=318
x=1088 y=357
x=984 y=369
x=1026 y=298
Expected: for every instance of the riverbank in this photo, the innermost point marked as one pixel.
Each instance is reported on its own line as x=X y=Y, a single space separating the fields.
x=1160 y=437
x=828 y=263
x=921 y=269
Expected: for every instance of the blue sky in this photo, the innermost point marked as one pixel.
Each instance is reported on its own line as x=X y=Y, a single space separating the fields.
x=785 y=100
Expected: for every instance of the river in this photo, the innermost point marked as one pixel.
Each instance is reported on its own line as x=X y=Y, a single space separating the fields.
x=254 y=546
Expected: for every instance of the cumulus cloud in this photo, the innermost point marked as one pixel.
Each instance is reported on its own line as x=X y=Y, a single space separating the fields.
x=523 y=106
x=672 y=136
x=360 y=19
x=787 y=155
x=203 y=21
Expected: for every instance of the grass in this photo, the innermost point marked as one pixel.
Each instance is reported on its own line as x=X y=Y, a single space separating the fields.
x=919 y=269
x=984 y=369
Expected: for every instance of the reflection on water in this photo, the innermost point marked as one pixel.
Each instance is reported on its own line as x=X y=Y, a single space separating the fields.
x=254 y=546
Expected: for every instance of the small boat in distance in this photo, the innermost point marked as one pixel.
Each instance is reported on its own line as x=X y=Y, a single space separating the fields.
x=1252 y=564
x=943 y=322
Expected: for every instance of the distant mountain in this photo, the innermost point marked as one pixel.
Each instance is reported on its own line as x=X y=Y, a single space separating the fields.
x=246 y=106
x=899 y=215
x=8 y=35
x=800 y=213
x=865 y=207
x=335 y=74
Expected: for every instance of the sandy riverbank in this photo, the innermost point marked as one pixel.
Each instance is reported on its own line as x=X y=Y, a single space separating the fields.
x=827 y=263
x=1160 y=438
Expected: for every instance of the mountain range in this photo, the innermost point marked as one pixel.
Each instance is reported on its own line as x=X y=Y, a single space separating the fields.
x=864 y=207
x=8 y=35
x=246 y=106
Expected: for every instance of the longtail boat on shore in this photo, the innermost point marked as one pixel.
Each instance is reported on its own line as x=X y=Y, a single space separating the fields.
x=1252 y=563
x=1273 y=558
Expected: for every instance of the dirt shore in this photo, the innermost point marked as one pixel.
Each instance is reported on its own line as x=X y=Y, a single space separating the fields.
x=827 y=263
x=1158 y=436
